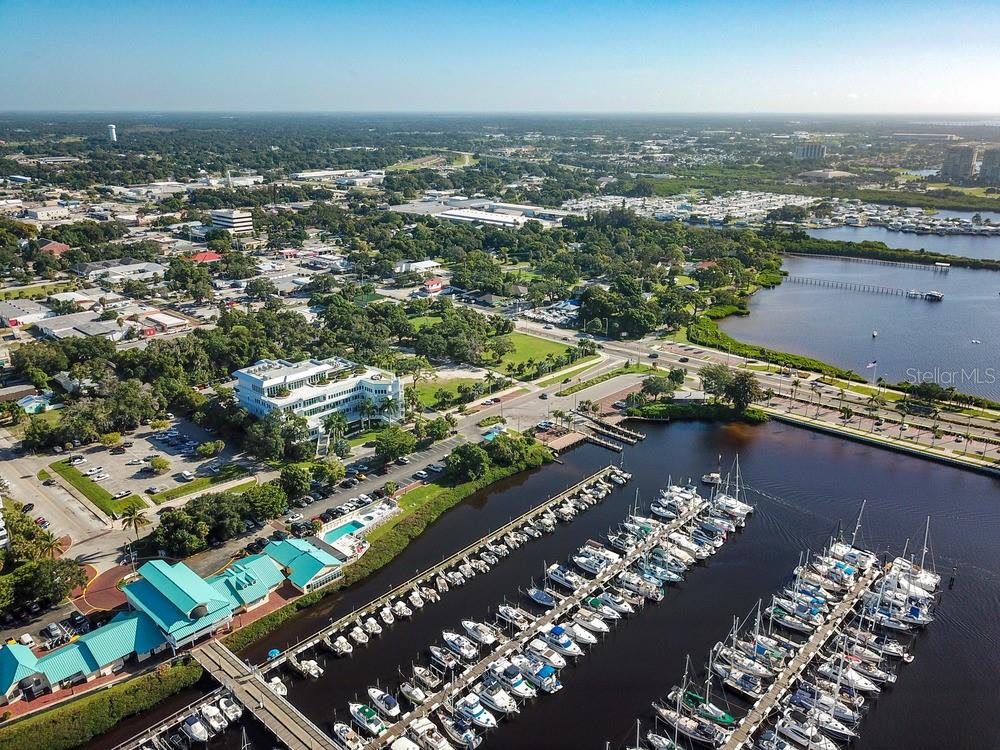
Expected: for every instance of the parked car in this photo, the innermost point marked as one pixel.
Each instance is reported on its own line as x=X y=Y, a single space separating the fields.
x=402 y=460
x=543 y=396
x=421 y=474
x=684 y=359
x=28 y=507
x=187 y=476
x=120 y=494
x=49 y=482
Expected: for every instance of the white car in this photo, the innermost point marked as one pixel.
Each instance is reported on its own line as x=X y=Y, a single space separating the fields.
x=101 y=477
x=295 y=517
x=77 y=460
x=364 y=498
x=134 y=462
x=120 y=494
x=421 y=474
x=93 y=470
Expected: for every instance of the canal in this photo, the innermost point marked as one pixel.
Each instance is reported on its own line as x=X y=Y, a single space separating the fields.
x=805 y=483
x=917 y=339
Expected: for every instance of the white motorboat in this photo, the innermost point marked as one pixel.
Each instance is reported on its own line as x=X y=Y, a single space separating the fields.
x=455 y=578
x=557 y=637
x=384 y=703
x=413 y=693
x=480 y=632
x=367 y=719
x=358 y=635
x=416 y=601
x=590 y=621
x=564 y=576
x=543 y=676
x=712 y=478
x=346 y=738
x=467 y=570
x=804 y=735
x=399 y=609
x=276 y=686
x=193 y=728
x=213 y=717
x=515 y=616
x=460 y=731
x=441 y=584
x=427 y=677
x=232 y=710
x=579 y=633
x=512 y=679
x=470 y=708
x=460 y=645
x=493 y=695
x=372 y=627
x=386 y=616
x=430 y=595
x=538 y=647
x=595 y=607
x=589 y=563
x=443 y=658
x=340 y=646
x=615 y=602
x=423 y=731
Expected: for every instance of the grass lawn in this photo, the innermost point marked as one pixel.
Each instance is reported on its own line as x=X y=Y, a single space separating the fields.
x=39 y=291
x=362 y=437
x=243 y=487
x=94 y=491
x=571 y=372
x=626 y=370
x=531 y=347
x=427 y=389
x=407 y=504
x=422 y=321
x=864 y=390
x=678 y=337
x=51 y=417
x=682 y=280
x=228 y=473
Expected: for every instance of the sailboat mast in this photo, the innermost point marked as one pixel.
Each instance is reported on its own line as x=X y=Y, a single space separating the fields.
x=857 y=526
x=923 y=552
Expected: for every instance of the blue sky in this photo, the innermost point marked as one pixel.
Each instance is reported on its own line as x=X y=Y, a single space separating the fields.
x=610 y=56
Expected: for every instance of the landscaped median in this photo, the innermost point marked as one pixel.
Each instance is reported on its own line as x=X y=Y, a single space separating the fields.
x=419 y=509
x=72 y=724
x=93 y=491
x=627 y=370
x=665 y=411
x=226 y=474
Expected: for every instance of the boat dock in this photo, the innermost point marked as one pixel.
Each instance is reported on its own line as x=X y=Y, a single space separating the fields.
x=604 y=442
x=563 y=606
x=285 y=721
x=427 y=576
x=857 y=286
x=612 y=430
x=939 y=267
x=743 y=735
x=165 y=725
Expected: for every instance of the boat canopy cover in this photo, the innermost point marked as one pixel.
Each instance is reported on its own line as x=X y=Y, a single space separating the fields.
x=512 y=671
x=557 y=630
x=546 y=672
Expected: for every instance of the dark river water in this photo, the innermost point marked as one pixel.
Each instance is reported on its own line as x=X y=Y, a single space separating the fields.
x=917 y=339
x=805 y=484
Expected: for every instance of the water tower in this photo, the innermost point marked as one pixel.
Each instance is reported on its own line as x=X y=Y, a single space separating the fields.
x=112 y=134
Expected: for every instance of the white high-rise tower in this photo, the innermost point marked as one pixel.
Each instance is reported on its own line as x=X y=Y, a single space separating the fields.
x=112 y=134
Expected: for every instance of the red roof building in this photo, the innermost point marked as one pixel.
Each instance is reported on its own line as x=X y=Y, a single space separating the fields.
x=205 y=257
x=433 y=285
x=53 y=248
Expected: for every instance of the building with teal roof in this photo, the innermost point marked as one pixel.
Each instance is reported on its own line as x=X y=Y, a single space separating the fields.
x=248 y=582
x=18 y=668
x=307 y=566
x=183 y=605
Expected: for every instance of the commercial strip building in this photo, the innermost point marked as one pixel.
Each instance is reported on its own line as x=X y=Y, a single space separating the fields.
x=315 y=388
x=120 y=269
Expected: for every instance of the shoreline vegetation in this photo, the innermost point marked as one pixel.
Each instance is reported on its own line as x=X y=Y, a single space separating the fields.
x=72 y=724
x=804 y=245
x=390 y=541
x=664 y=411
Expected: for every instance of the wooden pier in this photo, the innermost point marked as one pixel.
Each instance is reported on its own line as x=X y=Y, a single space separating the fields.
x=875 y=262
x=426 y=577
x=564 y=605
x=766 y=704
x=281 y=718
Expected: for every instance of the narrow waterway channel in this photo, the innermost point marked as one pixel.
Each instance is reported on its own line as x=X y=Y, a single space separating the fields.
x=810 y=483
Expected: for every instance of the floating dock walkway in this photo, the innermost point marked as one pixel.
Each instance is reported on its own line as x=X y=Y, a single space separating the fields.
x=766 y=704
x=857 y=286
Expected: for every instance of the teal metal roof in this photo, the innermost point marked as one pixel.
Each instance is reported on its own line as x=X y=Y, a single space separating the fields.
x=169 y=594
x=16 y=663
x=71 y=661
x=248 y=580
x=128 y=633
x=303 y=559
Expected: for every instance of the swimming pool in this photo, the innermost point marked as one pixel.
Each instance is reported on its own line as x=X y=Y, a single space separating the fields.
x=348 y=528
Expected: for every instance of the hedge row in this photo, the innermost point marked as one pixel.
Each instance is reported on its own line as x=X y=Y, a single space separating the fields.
x=688 y=412
x=601 y=378
x=384 y=549
x=75 y=723
x=706 y=332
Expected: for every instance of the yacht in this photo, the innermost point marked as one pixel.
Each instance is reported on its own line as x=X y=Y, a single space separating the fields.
x=595 y=607
x=579 y=633
x=460 y=645
x=427 y=677
x=471 y=709
x=492 y=694
x=741 y=682
x=480 y=632
x=460 y=731
x=590 y=621
x=712 y=478
x=193 y=728
x=372 y=627
x=213 y=717
x=805 y=735
x=663 y=510
x=537 y=672
x=770 y=741
x=413 y=693
x=511 y=678
x=386 y=615
x=559 y=639
x=696 y=730
x=232 y=710
x=346 y=738
x=540 y=649
x=366 y=718
x=564 y=576
x=515 y=616
x=384 y=703
x=427 y=736
x=589 y=563
x=443 y=658
x=615 y=602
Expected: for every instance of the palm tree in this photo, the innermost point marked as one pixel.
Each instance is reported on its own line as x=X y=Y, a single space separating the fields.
x=903 y=408
x=389 y=406
x=491 y=380
x=47 y=544
x=335 y=423
x=795 y=386
x=368 y=410
x=134 y=518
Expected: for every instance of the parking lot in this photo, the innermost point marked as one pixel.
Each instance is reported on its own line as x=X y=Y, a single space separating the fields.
x=125 y=469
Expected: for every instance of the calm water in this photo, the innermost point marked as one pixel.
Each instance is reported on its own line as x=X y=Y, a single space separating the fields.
x=811 y=482
x=917 y=339
x=969 y=246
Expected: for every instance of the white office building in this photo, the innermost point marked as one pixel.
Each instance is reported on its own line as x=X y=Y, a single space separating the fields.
x=233 y=220
x=314 y=388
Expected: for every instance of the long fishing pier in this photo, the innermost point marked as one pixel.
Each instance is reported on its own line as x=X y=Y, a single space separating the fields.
x=518 y=641
x=769 y=701
x=877 y=262
x=857 y=286
x=427 y=576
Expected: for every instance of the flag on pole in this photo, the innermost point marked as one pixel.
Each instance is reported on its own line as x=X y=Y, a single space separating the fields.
x=871 y=364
